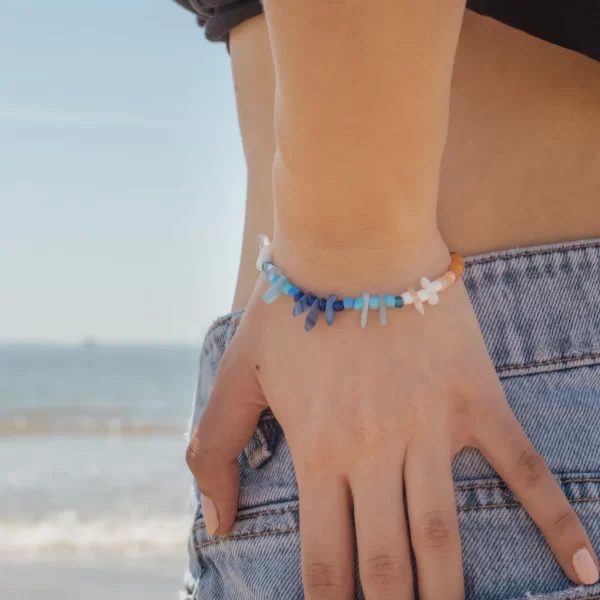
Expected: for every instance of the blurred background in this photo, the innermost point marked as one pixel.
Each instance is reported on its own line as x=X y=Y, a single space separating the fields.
x=122 y=185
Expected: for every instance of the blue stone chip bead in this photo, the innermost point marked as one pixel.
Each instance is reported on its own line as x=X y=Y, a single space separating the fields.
x=299 y=294
x=312 y=317
x=322 y=304
x=390 y=301
x=275 y=290
x=300 y=306
x=348 y=303
x=398 y=301
x=329 y=312
x=310 y=298
x=338 y=305
x=374 y=302
x=358 y=303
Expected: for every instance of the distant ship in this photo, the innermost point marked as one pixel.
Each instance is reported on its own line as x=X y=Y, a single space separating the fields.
x=89 y=342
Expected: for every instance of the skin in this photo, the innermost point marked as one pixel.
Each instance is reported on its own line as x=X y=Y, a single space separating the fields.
x=375 y=414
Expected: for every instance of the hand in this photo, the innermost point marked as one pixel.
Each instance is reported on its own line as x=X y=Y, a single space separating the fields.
x=367 y=412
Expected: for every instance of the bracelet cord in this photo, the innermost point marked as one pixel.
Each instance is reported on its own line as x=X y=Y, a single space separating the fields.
x=280 y=284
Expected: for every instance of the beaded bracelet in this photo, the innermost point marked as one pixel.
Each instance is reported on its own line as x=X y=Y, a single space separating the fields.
x=331 y=305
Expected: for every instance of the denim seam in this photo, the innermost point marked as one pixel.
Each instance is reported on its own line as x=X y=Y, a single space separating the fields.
x=293 y=529
x=246 y=535
x=517 y=504
x=264 y=513
x=552 y=361
x=503 y=485
x=280 y=511
x=479 y=261
x=295 y=509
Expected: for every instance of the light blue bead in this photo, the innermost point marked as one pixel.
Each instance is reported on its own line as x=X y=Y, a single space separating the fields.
x=274 y=278
x=275 y=290
x=329 y=312
x=293 y=290
x=286 y=288
x=373 y=302
x=271 y=272
x=358 y=303
x=390 y=301
x=348 y=303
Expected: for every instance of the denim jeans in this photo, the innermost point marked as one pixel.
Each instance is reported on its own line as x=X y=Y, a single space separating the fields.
x=539 y=311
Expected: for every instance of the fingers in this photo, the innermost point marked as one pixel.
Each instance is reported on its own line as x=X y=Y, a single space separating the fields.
x=433 y=522
x=505 y=445
x=326 y=538
x=227 y=423
x=383 y=547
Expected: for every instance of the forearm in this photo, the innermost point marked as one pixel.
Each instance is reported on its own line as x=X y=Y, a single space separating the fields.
x=361 y=115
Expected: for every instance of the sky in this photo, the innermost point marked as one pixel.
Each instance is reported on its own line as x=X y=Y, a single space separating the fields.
x=122 y=178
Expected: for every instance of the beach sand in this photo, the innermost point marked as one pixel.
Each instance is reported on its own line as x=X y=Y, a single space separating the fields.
x=155 y=578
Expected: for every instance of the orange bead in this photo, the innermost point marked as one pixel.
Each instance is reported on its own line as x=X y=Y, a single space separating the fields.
x=458 y=265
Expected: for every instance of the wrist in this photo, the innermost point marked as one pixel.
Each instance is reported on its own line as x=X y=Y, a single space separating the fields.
x=385 y=264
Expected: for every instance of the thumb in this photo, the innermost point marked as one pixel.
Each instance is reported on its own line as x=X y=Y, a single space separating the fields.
x=225 y=427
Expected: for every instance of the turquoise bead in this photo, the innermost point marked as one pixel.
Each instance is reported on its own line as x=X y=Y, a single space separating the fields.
x=373 y=302
x=287 y=287
x=275 y=290
x=348 y=303
x=274 y=278
x=358 y=303
x=398 y=302
x=390 y=301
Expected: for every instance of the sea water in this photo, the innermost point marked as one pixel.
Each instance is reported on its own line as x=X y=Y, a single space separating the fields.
x=92 y=446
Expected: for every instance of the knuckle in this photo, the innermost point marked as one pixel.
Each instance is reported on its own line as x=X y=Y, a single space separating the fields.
x=384 y=571
x=438 y=531
x=532 y=466
x=322 y=577
x=566 y=523
x=198 y=457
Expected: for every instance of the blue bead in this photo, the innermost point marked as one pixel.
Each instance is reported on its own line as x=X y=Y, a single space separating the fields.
x=358 y=303
x=275 y=290
x=348 y=303
x=312 y=317
x=374 y=302
x=338 y=305
x=300 y=306
x=293 y=290
x=329 y=312
x=287 y=288
x=274 y=278
x=399 y=303
x=322 y=304
x=310 y=299
x=390 y=302
x=299 y=294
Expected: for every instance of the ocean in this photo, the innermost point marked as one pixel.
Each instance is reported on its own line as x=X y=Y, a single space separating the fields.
x=93 y=481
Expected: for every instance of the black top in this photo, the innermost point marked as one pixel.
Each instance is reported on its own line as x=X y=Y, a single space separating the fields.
x=573 y=24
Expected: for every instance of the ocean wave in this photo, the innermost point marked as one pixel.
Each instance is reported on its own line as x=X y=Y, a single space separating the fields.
x=65 y=534
x=45 y=424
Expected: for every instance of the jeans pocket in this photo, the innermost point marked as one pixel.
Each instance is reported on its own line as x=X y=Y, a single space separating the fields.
x=264 y=441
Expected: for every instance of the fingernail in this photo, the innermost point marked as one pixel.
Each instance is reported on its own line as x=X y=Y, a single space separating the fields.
x=585 y=567
x=211 y=515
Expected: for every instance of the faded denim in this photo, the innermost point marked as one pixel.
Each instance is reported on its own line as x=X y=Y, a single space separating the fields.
x=539 y=310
